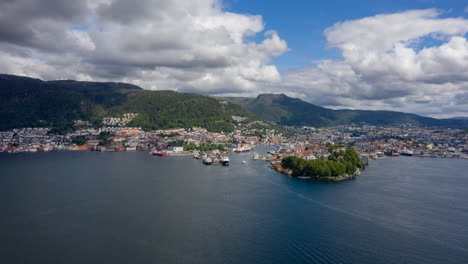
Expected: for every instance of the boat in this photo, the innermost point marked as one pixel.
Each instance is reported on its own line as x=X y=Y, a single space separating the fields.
x=243 y=148
x=244 y=162
x=392 y=153
x=380 y=154
x=407 y=152
x=159 y=153
x=207 y=161
x=120 y=148
x=225 y=161
x=275 y=152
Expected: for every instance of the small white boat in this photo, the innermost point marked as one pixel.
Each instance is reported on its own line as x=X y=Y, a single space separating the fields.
x=244 y=162
x=225 y=161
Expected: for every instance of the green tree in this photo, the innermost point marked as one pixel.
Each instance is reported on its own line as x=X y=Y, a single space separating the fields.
x=79 y=140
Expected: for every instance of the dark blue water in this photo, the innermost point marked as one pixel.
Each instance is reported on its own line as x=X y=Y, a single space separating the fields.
x=85 y=207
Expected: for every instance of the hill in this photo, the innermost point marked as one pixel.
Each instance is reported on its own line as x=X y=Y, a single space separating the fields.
x=28 y=102
x=295 y=112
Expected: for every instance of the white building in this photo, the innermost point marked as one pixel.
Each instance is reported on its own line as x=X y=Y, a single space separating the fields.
x=176 y=149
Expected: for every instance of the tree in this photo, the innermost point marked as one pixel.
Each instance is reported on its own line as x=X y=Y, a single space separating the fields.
x=335 y=166
x=79 y=140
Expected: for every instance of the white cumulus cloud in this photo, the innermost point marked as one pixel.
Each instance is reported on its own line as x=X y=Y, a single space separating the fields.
x=387 y=64
x=414 y=61
x=159 y=44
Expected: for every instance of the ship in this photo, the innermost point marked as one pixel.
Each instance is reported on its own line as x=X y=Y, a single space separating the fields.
x=243 y=148
x=225 y=161
x=392 y=153
x=406 y=152
x=274 y=152
x=159 y=153
x=207 y=161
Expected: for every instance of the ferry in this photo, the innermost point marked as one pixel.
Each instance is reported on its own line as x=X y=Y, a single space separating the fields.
x=243 y=148
x=406 y=152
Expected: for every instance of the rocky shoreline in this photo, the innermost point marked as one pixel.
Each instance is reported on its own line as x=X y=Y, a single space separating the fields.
x=289 y=172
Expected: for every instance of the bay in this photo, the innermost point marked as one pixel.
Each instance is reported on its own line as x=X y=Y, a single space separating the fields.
x=131 y=207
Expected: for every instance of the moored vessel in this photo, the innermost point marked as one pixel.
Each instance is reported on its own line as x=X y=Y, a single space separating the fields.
x=407 y=152
x=225 y=161
x=207 y=161
x=159 y=153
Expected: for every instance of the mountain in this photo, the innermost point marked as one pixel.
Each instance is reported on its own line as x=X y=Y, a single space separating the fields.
x=295 y=112
x=28 y=102
x=460 y=118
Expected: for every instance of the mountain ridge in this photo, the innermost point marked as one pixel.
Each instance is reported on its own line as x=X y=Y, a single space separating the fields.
x=289 y=111
x=29 y=102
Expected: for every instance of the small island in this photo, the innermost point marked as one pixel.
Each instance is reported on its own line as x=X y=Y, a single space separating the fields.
x=342 y=164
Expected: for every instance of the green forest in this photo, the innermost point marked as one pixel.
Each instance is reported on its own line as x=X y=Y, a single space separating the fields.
x=339 y=163
x=27 y=102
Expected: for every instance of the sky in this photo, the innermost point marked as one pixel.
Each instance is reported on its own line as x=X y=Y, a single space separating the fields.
x=409 y=56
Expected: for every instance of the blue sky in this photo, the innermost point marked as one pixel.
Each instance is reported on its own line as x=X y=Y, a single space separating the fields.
x=301 y=22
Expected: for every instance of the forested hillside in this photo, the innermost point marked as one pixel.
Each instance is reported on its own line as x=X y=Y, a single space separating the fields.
x=27 y=102
x=295 y=112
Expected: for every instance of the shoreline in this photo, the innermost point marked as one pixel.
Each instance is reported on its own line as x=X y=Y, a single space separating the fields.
x=277 y=167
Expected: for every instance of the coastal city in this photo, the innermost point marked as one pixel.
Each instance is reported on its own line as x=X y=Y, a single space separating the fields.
x=234 y=131
x=309 y=143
